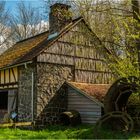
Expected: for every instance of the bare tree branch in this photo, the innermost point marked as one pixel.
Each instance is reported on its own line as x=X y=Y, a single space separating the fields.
x=27 y=22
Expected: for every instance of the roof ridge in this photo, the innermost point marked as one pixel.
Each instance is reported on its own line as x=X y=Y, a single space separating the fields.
x=80 y=17
x=50 y=42
x=31 y=50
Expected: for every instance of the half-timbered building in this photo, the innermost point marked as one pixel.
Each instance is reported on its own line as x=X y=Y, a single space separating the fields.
x=34 y=72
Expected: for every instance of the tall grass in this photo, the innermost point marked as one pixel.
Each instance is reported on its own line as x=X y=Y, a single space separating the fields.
x=62 y=132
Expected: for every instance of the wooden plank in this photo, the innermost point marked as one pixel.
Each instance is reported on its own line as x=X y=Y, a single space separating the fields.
x=89 y=122
x=90 y=119
x=80 y=99
x=80 y=106
x=6 y=125
x=73 y=100
x=11 y=100
x=85 y=109
x=23 y=124
x=94 y=116
x=90 y=113
x=9 y=86
x=2 y=77
x=9 y=76
x=81 y=103
x=7 y=80
x=16 y=124
x=84 y=106
x=77 y=95
x=14 y=74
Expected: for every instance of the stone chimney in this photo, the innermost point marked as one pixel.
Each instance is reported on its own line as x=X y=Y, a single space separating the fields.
x=59 y=17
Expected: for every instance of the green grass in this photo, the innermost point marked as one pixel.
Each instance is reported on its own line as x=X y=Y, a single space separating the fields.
x=62 y=132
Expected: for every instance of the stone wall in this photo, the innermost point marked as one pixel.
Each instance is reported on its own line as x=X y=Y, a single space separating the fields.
x=24 y=93
x=51 y=101
x=59 y=16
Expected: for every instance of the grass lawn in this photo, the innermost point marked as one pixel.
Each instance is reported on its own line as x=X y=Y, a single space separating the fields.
x=62 y=132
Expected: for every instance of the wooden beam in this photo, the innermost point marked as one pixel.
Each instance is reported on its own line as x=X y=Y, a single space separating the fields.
x=16 y=124
x=9 y=76
x=4 y=77
x=13 y=74
x=9 y=84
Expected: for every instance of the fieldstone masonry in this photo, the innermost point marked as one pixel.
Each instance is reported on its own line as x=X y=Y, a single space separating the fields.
x=24 y=93
x=50 y=100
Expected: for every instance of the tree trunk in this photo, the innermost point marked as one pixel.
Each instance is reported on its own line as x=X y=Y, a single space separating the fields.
x=136 y=15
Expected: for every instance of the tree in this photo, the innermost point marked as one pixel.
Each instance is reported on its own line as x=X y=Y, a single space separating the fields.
x=113 y=23
x=27 y=22
x=136 y=16
x=5 y=33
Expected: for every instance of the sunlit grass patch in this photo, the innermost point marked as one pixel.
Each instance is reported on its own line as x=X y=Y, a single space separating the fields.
x=63 y=132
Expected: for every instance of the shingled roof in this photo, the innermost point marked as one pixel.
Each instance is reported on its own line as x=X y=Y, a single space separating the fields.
x=97 y=91
x=11 y=56
x=27 y=49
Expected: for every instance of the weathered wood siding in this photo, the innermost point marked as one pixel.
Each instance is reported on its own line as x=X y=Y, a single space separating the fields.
x=89 y=110
x=9 y=78
x=78 y=48
x=12 y=99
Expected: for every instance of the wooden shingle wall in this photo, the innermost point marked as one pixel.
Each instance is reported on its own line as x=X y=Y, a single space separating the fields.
x=79 y=48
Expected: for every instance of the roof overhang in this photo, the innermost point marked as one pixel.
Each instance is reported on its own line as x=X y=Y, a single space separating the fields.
x=16 y=65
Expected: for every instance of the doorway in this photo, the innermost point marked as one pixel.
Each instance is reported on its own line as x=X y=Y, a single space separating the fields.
x=3 y=104
x=3 y=100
